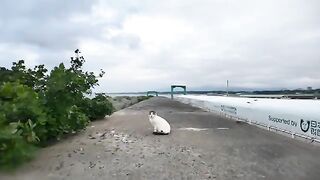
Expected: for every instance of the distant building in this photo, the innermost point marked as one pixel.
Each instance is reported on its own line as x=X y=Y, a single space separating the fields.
x=309 y=88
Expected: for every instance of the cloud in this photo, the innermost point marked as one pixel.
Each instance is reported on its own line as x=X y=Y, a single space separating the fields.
x=144 y=45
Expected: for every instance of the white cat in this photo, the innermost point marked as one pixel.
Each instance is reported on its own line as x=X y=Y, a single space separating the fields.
x=160 y=125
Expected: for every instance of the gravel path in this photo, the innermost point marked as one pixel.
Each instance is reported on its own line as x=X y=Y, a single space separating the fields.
x=201 y=146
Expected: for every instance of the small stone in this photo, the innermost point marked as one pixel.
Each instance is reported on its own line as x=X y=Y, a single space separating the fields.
x=138 y=165
x=60 y=166
x=91 y=165
x=262 y=176
x=103 y=135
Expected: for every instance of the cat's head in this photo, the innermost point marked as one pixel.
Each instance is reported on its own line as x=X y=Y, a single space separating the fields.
x=152 y=114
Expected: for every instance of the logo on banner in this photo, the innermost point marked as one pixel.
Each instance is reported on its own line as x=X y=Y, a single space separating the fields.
x=304 y=125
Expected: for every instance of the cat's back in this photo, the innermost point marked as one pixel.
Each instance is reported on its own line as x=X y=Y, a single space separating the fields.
x=163 y=122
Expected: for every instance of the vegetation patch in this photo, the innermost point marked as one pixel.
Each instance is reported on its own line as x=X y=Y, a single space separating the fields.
x=37 y=106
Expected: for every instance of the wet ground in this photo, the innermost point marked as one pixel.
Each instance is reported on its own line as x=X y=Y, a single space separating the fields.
x=202 y=145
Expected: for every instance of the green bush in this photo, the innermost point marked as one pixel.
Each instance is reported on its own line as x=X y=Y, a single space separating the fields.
x=98 y=107
x=21 y=106
x=142 y=98
x=13 y=149
x=36 y=106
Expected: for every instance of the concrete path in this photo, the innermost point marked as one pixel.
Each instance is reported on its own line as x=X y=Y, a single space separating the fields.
x=202 y=145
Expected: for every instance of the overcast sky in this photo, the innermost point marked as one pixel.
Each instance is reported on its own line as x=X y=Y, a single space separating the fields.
x=149 y=45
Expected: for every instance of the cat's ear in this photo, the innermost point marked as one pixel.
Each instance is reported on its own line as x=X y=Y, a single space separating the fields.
x=152 y=113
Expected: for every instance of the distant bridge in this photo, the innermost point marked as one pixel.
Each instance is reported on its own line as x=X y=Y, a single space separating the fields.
x=178 y=86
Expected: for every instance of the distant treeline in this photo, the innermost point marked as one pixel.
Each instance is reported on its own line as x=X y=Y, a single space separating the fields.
x=315 y=91
x=267 y=92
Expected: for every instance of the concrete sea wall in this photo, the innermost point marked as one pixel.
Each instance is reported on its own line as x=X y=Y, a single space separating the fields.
x=298 y=118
